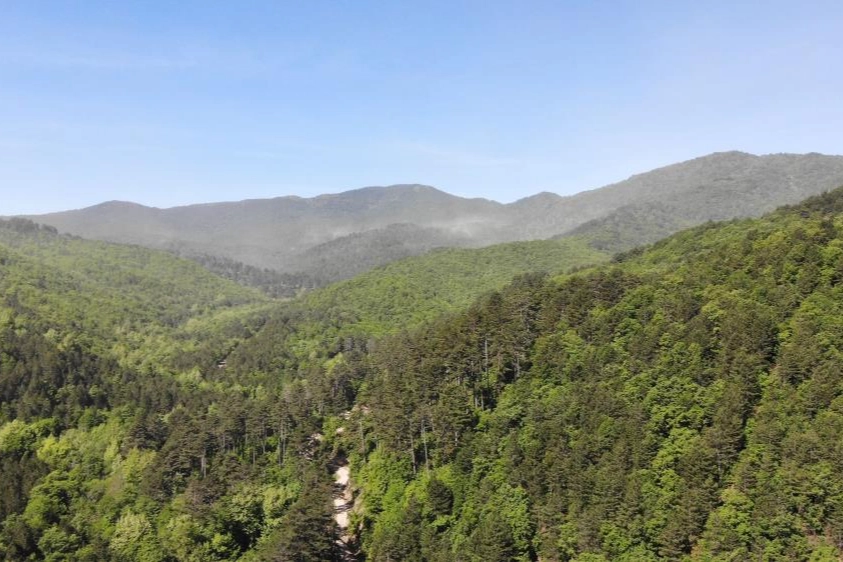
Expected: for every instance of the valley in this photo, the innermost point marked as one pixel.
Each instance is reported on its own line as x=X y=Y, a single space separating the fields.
x=535 y=400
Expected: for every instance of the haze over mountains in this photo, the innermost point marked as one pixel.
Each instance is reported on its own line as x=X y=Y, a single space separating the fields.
x=336 y=236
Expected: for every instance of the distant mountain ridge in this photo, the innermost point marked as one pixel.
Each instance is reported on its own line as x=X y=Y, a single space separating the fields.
x=335 y=236
x=272 y=232
x=740 y=185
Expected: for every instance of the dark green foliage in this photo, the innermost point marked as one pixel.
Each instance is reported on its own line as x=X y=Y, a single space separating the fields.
x=439 y=496
x=307 y=532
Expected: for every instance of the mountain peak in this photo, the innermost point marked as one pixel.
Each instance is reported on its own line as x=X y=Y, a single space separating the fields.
x=731 y=153
x=540 y=198
x=118 y=204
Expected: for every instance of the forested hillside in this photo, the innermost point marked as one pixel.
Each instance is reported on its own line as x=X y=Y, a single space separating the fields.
x=741 y=185
x=356 y=253
x=94 y=337
x=137 y=413
x=682 y=403
x=312 y=336
x=269 y=281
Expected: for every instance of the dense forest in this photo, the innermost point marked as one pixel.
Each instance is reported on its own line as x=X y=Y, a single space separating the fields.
x=147 y=372
x=684 y=402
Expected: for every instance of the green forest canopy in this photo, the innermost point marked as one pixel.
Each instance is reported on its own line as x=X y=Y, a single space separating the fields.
x=683 y=402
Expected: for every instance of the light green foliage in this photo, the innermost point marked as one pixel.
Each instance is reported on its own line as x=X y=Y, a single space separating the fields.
x=275 y=502
x=410 y=291
x=385 y=477
x=17 y=437
x=185 y=538
x=134 y=539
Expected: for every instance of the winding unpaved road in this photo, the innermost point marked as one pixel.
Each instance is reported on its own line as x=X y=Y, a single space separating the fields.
x=343 y=503
x=343 y=500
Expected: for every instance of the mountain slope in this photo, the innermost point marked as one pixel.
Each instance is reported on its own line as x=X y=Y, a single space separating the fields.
x=401 y=295
x=308 y=236
x=347 y=256
x=176 y=289
x=683 y=404
x=739 y=185
x=119 y=298
x=269 y=233
x=130 y=431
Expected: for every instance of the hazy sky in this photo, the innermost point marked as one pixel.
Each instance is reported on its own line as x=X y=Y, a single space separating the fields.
x=168 y=103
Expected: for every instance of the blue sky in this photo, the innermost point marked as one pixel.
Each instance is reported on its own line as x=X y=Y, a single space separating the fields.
x=168 y=103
